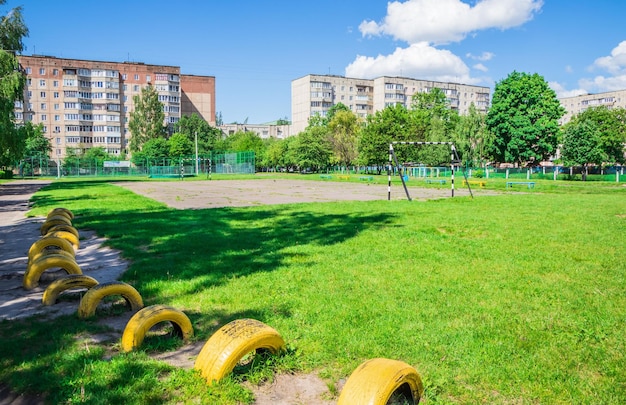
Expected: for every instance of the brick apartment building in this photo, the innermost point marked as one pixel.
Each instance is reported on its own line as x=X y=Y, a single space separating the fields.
x=84 y=104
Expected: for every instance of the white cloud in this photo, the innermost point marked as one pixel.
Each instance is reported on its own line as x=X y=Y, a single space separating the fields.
x=616 y=62
x=615 y=65
x=443 y=21
x=418 y=60
x=569 y=69
x=424 y=24
x=485 y=56
x=481 y=67
x=562 y=92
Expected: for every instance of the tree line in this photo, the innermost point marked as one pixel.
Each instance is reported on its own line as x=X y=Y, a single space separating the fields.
x=520 y=128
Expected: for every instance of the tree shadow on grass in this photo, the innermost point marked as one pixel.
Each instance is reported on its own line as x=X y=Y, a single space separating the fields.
x=212 y=246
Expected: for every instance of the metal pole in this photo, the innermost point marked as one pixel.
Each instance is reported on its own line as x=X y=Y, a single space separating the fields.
x=389 y=174
x=196 y=136
x=452 y=170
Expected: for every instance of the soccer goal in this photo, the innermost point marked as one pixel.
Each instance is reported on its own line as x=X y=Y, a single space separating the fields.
x=454 y=159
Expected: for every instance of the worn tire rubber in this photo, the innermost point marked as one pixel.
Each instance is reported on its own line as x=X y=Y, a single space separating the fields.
x=69 y=282
x=55 y=220
x=146 y=318
x=68 y=236
x=46 y=253
x=61 y=211
x=66 y=228
x=91 y=299
x=35 y=270
x=221 y=353
x=48 y=241
x=375 y=381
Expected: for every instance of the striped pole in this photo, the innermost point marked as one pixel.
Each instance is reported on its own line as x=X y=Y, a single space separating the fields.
x=452 y=169
x=389 y=173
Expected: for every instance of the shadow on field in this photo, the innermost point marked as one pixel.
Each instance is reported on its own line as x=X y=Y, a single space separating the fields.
x=209 y=247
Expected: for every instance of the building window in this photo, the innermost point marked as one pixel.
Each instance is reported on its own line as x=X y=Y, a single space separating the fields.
x=55 y=83
x=42 y=71
x=42 y=94
x=42 y=83
x=58 y=152
x=57 y=117
x=124 y=76
x=43 y=106
x=55 y=94
x=44 y=117
x=148 y=78
x=28 y=70
x=136 y=87
x=55 y=72
x=136 y=77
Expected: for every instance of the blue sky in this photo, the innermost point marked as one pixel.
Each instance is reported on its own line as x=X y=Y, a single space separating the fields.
x=256 y=48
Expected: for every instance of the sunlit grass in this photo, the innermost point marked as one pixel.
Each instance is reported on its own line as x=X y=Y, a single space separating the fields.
x=517 y=298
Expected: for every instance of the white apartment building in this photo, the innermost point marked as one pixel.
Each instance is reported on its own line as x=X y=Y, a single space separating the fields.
x=577 y=104
x=84 y=104
x=316 y=94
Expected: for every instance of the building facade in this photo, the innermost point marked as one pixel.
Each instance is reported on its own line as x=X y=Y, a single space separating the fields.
x=577 y=104
x=264 y=131
x=84 y=104
x=316 y=94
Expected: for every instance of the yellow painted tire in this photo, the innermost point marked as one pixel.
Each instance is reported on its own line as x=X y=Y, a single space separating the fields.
x=54 y=214
x=221 y=353
x=45 y=253
x=68 y=236
x=69 y=282
x=55 y=220
x=91 y=299
x=61 y=211
x=146 y=318
x=49 y=241
x=35 y=270
x=65 y=228
x=375 y=381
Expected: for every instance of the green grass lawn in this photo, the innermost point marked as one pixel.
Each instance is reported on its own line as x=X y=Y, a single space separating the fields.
x=510 y=299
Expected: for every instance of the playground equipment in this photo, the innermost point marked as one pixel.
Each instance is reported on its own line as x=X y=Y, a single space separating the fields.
x=69 y=282
x=35 y=269
x=49 y=242
x=93 y=296
x=231 y=342
x=377 y=381
x=146 y=318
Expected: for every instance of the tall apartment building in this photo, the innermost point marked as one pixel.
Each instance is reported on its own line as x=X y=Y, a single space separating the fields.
x=84 y=104
x=577 y=104
x=316 y=94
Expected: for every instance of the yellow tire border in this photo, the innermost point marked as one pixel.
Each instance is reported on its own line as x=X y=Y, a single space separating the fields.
x=375 y=381
x=35 y=270
x=140 y=323
x=68 y=282
x=93 y=296
x=221 y=353
x=47 y=241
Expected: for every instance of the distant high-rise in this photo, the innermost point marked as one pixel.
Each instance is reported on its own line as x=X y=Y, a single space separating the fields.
x=316 y=94
x=84 y=104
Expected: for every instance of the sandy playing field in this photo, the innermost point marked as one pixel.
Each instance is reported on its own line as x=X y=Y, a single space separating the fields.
x=241 y=193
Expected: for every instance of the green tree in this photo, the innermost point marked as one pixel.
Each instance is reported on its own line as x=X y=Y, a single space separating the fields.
x=311 y=149
x=471 y=137
x=393 y=123
x=180 y=145
x=146 y=120
x=153 y=151
x=12 y=82
x=37 y=145
x=344 y=129
x=524 y=118
x=611 y=127
x=434 y=121
x=193 y=125
x=582 y=145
